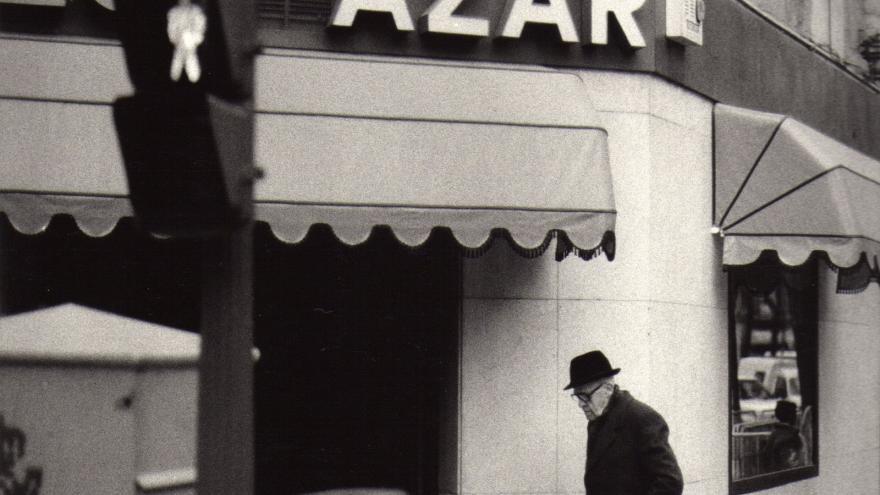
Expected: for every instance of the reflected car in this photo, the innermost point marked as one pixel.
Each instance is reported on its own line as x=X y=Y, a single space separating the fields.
x=764 y=368
x=755 y=402
x=778 y=375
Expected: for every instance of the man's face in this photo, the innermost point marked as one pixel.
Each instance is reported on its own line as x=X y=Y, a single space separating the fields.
x=592 y=398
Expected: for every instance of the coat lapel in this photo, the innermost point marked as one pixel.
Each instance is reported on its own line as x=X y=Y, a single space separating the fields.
x=607 y=432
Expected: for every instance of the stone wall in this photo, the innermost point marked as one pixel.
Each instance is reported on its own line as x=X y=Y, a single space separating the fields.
x=659 y=311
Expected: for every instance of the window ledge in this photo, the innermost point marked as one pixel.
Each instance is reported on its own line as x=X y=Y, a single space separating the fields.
x=770 y=480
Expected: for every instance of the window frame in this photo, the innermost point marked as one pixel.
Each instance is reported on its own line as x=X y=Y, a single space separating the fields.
x=735 y=276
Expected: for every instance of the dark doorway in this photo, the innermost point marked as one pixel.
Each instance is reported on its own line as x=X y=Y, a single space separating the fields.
x=125 y=272
x=356 y=343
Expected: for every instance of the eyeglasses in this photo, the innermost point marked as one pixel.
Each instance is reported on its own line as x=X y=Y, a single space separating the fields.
x=583 y=398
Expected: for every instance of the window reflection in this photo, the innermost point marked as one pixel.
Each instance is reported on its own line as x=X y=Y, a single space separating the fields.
x=773 y=322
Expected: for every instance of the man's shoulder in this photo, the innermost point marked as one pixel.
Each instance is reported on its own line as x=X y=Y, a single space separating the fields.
x=637 y=410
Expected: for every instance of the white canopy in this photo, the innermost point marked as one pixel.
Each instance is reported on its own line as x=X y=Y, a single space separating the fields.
x=73 y=334
x=785 y=187
x=414 y=145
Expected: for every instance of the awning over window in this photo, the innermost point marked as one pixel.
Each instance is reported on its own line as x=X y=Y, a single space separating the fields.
x=782 y=186
x=482 y=150
x=417 y=145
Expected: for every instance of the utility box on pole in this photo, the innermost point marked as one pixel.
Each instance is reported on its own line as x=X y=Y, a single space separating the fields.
x=91 y=402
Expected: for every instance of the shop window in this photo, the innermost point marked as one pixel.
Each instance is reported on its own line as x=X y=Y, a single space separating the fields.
x=774 y=374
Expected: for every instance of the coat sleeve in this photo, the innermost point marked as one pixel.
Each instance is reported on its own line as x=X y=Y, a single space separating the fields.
x=657 y=461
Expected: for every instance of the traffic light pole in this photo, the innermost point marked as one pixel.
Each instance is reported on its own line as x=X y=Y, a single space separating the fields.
x=226 y=422
x=186 y=137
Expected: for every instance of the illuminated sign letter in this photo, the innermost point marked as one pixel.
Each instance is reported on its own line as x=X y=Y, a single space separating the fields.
x=518 y=12
x=439 y=19
x=345 y=11
x=623 y=10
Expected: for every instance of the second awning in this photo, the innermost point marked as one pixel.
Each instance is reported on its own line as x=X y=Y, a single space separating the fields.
x=785 y=187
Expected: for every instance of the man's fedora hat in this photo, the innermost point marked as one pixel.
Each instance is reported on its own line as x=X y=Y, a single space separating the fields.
x=588 y=367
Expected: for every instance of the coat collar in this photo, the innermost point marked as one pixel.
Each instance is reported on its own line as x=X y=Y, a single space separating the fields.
x=604 y=429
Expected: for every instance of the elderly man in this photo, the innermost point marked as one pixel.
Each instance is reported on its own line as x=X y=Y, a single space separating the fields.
x=628 y=452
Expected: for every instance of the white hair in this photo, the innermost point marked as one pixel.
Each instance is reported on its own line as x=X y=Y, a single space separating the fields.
x=600 y=382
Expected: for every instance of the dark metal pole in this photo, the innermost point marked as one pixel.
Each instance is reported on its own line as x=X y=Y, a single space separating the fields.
x=4 y=271
x=226 y=420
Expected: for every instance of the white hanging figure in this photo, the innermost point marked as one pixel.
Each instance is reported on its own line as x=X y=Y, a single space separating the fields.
x=186 y=30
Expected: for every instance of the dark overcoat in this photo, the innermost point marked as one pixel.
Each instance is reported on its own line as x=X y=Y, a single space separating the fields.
x=628 y=451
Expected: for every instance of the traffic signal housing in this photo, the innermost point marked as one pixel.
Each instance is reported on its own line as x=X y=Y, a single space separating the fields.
x=226 y=54
x=188 y=145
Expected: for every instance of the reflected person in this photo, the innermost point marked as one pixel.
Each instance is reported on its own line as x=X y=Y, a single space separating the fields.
x=784 y=448
x=628 y=451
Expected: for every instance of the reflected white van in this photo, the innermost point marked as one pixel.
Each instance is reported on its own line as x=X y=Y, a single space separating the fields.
x=778 y=379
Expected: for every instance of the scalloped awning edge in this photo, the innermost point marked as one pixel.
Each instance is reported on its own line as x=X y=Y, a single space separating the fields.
x=585 y=233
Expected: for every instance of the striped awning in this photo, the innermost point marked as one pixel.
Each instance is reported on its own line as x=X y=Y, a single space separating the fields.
x=482 y=150
x=782 y=186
